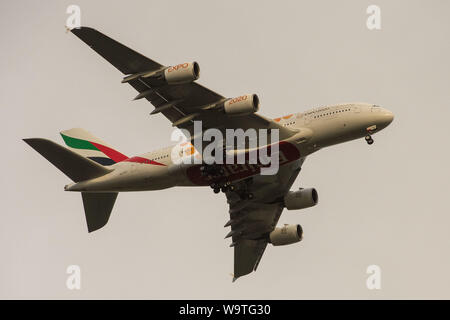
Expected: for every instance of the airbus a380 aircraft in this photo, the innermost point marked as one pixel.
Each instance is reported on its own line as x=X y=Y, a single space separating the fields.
x=255 y=201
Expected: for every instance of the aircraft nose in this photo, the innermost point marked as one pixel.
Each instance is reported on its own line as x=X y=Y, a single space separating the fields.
x=383 y=117
x=388 y=116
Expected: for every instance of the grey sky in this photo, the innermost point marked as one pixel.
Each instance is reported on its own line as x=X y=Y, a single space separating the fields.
x=385 y=204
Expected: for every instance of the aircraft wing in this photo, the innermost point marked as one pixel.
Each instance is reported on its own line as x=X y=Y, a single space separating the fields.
x=180 y=103
x=252 y=220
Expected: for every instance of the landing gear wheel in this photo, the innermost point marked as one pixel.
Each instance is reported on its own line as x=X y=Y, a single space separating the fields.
x=216 y=190
x=369 y=139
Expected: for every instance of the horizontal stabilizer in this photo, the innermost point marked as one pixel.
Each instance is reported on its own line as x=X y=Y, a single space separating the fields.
x=73 y=165
x=97 y=208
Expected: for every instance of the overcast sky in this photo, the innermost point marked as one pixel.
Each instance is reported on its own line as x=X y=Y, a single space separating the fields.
x=384 y=204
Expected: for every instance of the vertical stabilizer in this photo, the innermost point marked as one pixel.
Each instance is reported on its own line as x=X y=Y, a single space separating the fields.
x=87 y=145
x=97 y=208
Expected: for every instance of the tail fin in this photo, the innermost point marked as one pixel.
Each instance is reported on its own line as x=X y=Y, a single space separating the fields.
x=97 y=208
x=73 y=165
x=91 y=147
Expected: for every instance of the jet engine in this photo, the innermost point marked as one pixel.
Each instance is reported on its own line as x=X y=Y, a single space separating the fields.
x=288 y=234
x=301 y=199
x=242 y=105
x=179 y=74
x=182 y=73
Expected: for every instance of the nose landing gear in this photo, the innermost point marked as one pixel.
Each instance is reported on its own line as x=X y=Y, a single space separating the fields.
x=369 y=139
x=370 y=130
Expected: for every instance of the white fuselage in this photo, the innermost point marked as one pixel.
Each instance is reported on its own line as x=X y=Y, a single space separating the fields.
x=317 y=128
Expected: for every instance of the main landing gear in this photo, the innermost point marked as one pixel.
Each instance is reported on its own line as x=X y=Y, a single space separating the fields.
x=222 y=186
x=219 y=182
x=215 y=173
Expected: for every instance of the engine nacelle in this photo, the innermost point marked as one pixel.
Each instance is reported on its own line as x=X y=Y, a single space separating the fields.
x=242 y=105
x=301 y=199
x=288 y=234
x=182 y=73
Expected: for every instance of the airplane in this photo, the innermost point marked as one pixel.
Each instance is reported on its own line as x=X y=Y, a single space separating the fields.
x=256 y=201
